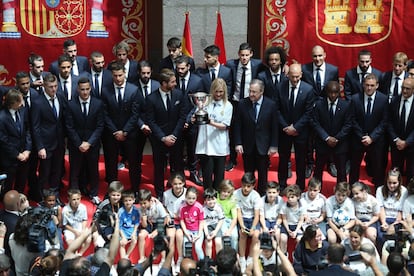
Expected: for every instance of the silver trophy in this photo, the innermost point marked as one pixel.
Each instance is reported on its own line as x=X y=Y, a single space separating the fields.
x=200 y=100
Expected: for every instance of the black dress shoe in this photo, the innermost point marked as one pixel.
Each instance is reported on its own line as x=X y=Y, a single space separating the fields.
x=308 y=171
x=229 y=166
x=194 y=178
x=332 y=170
x=289 y=172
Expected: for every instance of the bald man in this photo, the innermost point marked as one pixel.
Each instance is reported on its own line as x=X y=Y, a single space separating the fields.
x=186 y=266
x=294 y=102
x=9 y=216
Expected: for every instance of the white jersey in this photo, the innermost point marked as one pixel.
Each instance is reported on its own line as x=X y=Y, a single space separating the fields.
x=292 y=214
x=391 y=204
x=173 y=203
x=247 y=204
x=364 y=211
x=271 y=211
x=314 y=208
x=347 y=206
x=213 y=215
x=408 y=207
x=156 y=211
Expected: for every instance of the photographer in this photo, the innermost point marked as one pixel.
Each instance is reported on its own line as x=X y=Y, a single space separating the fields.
x=397 y=240
x=227 y=263
x=311 y=251
x=336 y=254
x=285 y=264
x=373 y=267
x=396 y=265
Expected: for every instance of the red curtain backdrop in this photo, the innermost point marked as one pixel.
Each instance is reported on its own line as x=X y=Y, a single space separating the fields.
x=342 y=27
x=41 y=26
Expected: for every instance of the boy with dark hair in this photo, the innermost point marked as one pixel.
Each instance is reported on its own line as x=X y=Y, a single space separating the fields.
x=129 y=218
x=214 y=218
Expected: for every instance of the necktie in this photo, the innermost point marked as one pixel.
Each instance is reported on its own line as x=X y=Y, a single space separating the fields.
x=146 y=90
x=362 y=78
x=213 y=74
x=17 y=120
x=331 y=111
x=402 y=117
x=183 y=85
x=97 y=90
x=65 y=89
x=119 y=97
x=318 y=80
x=168 y=102
x=275 y=79
x=256 y=111
x=52 y=100
x=84 y=110
x=292 y=98
x=26 y=101
x=395 y=93
x=368 y=112
x=243 y=82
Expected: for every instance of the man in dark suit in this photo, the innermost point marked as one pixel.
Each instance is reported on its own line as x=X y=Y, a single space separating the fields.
x=175 y=51
x=145 y=86
x=121 y=117
x=275 y=58
x=30 y=94
x=85 y=121
x=48 y=133
x=165 y=110
x=332 y=123
x=294 y=103
x=189 y=83
x=401 y=129
x=36 y=73
x=120 y=52
x=79 y=63
x=318 y=73
x=15 y=142
x=100 y=76
x=244 y=69
x=354 y=77
x=336 y=254
x=391 y=81
x=255 y=132
x=369 y=127
x=10 y=215
x=67 y=83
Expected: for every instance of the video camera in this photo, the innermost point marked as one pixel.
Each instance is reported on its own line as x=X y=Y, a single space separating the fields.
x=400 y=238
x=204 y=268
x=159 y=240
x=266 y=241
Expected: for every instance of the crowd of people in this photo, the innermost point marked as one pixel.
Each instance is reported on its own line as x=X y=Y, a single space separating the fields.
x=255 y=109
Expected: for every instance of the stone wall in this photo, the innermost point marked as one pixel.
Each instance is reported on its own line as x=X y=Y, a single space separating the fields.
x=203 y=20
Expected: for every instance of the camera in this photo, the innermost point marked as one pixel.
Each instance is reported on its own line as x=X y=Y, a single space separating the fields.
x=204 y=267
x=266 y=241
x=400 y=237
x=226 y=241
x=188 y=250
x=354 y=257
x=159 y=240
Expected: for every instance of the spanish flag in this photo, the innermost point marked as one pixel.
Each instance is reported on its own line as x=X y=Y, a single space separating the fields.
x=219 y=40
x=186 y=43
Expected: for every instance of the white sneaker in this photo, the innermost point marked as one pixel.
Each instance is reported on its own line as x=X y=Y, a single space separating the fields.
x=243 y=264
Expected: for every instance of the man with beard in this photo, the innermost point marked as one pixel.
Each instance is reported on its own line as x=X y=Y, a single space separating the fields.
x=67 y=83
x=79 y=63
x=275 y=58
x=36 y=73
x=101 y=77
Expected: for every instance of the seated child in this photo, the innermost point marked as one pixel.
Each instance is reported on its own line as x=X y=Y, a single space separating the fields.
x=213 y=217
x=129 y=219
x=75 y=219
x=105 y=209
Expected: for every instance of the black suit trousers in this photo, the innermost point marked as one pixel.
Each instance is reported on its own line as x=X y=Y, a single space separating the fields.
x=254 y=161
x=213 y=170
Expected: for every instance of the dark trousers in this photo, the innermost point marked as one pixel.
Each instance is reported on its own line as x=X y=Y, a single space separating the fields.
x=374 y=154
x=254 y=161
x=213 y=170
x=339 y=161
x=401 y=157
x=84 y=165
x=159 y=159
x=111 y=149
x=50 y=169
x=16 y=177
x=190 y=138
x=141 y=140
x=285 y=149
x=233 y=153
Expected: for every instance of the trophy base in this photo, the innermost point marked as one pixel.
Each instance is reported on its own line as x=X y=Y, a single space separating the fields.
x=201 y=119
